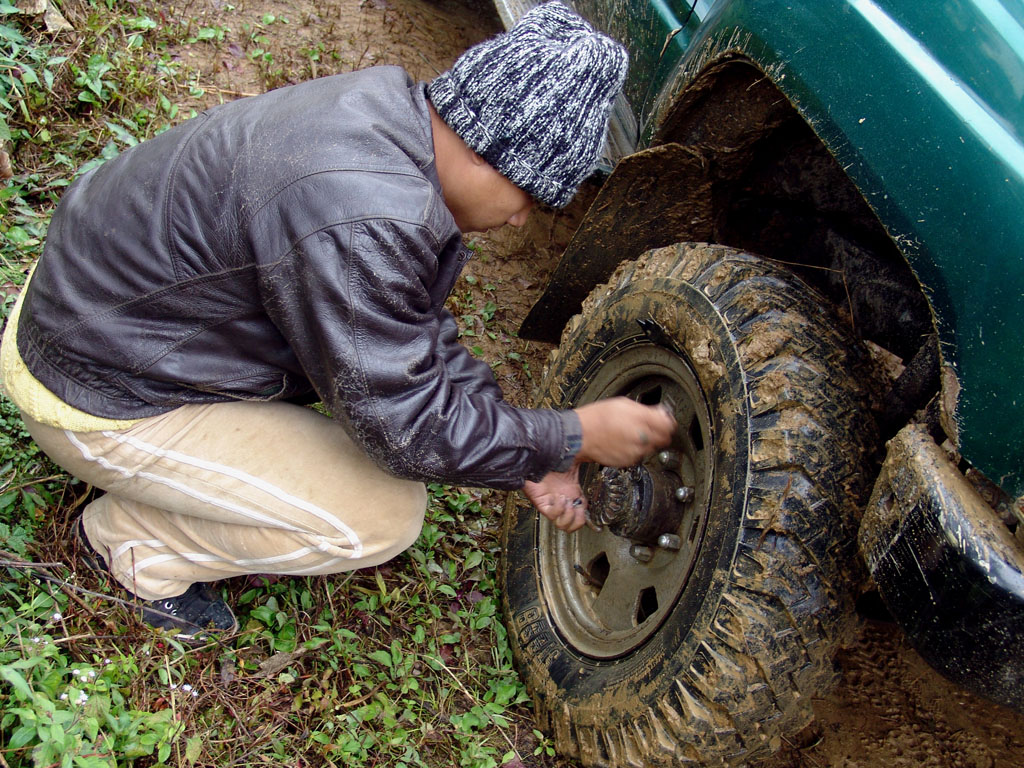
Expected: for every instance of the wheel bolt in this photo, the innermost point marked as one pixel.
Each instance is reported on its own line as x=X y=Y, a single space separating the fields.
x=669 y=541
x=588 y=578
x=684 y=493
x=665 y=457
x=641 y=553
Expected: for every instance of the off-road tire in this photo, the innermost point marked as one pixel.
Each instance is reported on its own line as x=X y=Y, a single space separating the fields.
x=736 y=658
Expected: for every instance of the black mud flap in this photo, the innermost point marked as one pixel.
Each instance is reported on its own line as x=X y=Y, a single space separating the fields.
x=948 y=570
x=638 y=208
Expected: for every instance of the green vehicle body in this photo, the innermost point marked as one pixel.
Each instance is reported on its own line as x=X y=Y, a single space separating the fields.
x=936 y=146
x=921 y=106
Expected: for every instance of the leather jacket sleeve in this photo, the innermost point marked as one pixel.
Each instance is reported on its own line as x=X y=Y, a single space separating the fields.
x=466 y=371
x=354 y=301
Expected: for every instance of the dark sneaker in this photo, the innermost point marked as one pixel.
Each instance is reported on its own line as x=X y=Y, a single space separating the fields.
x=194 y=615
x=191 y=616
x=85 y=551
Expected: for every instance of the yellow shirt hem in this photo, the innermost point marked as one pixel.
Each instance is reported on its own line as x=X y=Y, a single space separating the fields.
x=34 y=399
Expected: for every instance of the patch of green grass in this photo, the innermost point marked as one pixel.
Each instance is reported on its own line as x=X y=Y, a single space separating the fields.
x=407 y=664
x=63 y=710
x=72 y=102
x=30 y=484
x=425 y=668
x=474 y=305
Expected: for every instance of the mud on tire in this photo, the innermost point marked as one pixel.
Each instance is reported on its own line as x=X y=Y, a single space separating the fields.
x=711 y=650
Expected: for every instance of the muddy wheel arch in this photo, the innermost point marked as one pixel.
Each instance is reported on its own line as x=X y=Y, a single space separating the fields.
x=733 y=162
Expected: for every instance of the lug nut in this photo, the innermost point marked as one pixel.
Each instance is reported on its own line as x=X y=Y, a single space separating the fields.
x=669 y=541
x=684 y=493
x=641 y=553
x=665 y=457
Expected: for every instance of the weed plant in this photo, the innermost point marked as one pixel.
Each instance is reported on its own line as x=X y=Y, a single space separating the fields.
x=404 y=665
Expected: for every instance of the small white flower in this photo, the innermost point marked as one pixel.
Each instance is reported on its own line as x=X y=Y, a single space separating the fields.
x=186 y=687
x=107 y=661
x=63 y=697
x=82 y=698
x=56 y=616
x=76 y=672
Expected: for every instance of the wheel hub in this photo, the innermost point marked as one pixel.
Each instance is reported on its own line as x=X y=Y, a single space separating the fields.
x=637 y=503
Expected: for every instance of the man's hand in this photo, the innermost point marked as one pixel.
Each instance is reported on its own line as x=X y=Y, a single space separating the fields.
x=617 y=432
x=559 y=498
x=620 y=432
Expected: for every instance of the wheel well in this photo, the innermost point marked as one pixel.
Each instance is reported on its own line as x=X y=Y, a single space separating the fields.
x=771 y=186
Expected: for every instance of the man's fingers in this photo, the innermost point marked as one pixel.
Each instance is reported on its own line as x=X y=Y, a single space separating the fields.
x=620 y=432
x=563 y=513
x=655 y=430
x=662 y=422
x=552 y=507
x=560 y=499
x=572 y=519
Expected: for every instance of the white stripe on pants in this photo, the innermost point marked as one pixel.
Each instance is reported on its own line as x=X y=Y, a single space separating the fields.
x=205 y=492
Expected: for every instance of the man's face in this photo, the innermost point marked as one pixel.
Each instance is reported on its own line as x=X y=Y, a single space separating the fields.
x=485 y=200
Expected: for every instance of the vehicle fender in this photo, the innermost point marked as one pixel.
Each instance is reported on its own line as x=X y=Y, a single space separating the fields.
x=928 y=131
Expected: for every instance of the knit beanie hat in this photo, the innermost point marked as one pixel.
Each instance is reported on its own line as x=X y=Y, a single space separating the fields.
x=534 y=101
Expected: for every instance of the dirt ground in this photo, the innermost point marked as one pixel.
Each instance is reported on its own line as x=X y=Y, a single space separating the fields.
x=891 y=709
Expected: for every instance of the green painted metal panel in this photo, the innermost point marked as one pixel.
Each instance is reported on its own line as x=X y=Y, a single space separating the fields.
x=923 y=104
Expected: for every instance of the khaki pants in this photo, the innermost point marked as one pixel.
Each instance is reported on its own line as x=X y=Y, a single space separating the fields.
x=211 y=491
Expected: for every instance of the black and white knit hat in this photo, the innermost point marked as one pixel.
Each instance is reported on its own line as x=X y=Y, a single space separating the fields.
x=534 y=102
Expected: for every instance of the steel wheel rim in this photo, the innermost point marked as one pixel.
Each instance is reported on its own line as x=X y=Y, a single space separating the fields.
x=605 y=602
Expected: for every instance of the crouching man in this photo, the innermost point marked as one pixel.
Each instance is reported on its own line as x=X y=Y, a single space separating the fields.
x=304 y=241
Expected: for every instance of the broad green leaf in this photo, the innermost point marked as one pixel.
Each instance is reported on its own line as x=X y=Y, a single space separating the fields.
x=18 y=682
x=122 y=133
x=22 y=736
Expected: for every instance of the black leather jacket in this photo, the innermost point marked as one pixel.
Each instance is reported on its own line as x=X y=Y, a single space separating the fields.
x=275 y=244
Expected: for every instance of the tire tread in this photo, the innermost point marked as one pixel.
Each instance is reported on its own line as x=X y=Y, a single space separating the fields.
x=788 y=600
